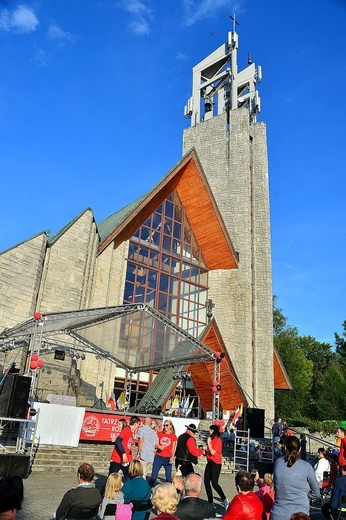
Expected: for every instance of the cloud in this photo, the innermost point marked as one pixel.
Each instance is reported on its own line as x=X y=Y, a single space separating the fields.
x=21 y=20
x=40 y=58
x=140 y=27
x=181 y=56
x=196 y=10
x=55 y=33
x=141 y=16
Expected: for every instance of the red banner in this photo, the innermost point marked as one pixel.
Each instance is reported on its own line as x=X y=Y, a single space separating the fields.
x=98 y=426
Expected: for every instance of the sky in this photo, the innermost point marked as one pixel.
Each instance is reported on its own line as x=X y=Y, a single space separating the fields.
x=92 y=96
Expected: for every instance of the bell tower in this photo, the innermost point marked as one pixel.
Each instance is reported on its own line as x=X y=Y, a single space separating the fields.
x=232 y=148
x=218 y=87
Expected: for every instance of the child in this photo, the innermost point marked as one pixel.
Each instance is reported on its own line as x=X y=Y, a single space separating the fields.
x=113 y=495
x=178 y=482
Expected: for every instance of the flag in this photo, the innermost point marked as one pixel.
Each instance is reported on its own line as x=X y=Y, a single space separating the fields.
x=186 y=405
x=238 y=413
x=111 y=401
x=175 y=403
x=190 y=407
x=121 y=402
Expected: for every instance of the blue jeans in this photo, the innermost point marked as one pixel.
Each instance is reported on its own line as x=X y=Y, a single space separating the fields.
x=157 y=465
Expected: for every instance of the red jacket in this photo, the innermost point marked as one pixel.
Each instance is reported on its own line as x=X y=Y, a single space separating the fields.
x=244 y=507
x=342 y=453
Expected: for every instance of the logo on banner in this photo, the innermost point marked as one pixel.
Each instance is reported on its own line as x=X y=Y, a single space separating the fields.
x=91 y=426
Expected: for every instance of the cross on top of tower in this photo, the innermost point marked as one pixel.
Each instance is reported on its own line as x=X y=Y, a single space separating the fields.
x=235 y=22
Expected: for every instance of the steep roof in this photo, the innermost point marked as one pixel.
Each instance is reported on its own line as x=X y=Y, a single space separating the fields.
x=24 y=242
x=110 y=224
x=56 y=236
x=202 y=375
x=188 y=179
x=281 y=379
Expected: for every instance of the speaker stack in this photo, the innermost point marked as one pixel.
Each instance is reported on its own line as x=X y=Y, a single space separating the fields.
x=14 y=464
x=14 y=394
x=253 y=420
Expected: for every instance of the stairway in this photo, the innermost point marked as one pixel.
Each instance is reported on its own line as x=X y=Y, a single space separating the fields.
x=66 y=459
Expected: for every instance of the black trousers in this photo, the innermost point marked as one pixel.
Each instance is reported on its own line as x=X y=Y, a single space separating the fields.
x=185 y=467
x=211 y=476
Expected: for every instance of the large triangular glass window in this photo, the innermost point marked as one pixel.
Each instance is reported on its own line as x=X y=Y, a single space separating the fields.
x=165 y=267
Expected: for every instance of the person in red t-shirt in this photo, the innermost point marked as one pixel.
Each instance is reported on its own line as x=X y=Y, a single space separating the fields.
x=213 y=468
x=342 y=452
x=165 y=452
x=246 y=505
x=122 y=452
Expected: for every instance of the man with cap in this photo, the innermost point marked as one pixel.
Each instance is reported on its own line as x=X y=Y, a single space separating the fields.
x=187 y=452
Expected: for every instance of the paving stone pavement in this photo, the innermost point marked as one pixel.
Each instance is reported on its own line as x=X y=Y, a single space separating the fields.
x=43 y=492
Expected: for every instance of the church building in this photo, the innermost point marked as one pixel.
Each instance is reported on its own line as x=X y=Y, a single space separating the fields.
x=196 y=248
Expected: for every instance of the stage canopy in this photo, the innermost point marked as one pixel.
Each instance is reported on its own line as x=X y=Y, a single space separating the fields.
x=134 y=337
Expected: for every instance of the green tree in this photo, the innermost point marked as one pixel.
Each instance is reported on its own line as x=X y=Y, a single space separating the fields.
x=279 y=320
x=294 y=402
x=340 y=344
x=331 y=400
x=321 y=355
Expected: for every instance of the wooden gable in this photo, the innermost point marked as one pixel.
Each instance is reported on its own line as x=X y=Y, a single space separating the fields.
x=202 y=375
x=281 y=379
x=188 y=178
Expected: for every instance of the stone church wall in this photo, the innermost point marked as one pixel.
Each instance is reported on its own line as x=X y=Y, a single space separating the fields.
x=68 y=268
x=21 y=271
x=66 y=285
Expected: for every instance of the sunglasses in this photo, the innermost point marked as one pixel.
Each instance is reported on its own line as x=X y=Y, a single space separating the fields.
x=165 y=425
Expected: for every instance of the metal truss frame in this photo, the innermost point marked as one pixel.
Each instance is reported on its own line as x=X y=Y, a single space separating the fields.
x=37 y=329
x=216 y=395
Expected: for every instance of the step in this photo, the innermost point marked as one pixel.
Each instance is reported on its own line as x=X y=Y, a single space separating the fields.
x=64 y=458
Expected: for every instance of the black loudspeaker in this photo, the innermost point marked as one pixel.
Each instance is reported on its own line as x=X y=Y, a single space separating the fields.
x=14 y=394
x=59 y=354
x=253 y=420
x=5 y=395
x=14 y=464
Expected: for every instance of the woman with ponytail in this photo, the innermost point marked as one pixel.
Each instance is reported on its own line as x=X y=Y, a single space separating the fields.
x=293 y=480
x=213 y=468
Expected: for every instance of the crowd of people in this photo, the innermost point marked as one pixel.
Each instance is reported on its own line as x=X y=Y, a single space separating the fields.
x=131 y=493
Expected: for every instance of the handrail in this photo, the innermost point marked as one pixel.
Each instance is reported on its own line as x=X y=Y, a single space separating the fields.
x=311 y=437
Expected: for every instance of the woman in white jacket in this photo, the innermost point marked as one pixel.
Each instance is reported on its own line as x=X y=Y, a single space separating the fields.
x=321 y=465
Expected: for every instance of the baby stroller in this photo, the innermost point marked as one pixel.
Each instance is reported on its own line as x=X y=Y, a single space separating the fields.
x=327 y=486
x=326 y=490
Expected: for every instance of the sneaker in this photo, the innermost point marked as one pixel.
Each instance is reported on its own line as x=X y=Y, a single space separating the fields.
x=226 y=504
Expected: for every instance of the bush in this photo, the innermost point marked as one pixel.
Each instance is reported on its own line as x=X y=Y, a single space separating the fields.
x=314 y=426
